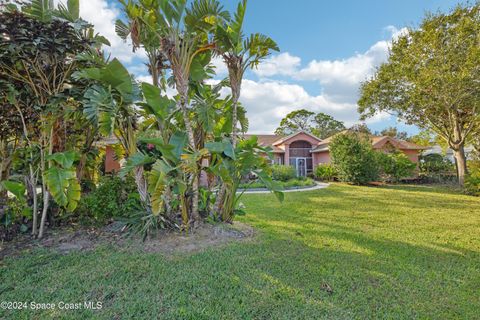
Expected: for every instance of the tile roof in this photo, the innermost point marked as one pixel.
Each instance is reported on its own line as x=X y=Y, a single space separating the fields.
x=377 y=141
x=267 y=140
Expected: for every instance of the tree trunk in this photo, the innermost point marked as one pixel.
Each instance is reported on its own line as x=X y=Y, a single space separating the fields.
x=142 y=187
x=46 y=194
x=235 y=83
x=33 y=186
x=461 y=162
x=218 y=206
x=193 y=180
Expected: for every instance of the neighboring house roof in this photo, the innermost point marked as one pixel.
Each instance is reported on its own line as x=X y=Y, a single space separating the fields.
x=377 y=143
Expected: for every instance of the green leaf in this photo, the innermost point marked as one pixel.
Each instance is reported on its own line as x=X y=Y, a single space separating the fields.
x=59 y=183
x=15 y=188
x=116 y=75
x=74 y=8
x=74 y=193
x=178 y=141
x=157 y=103
x=156 y=187
x=64 y=159
x=138 y=159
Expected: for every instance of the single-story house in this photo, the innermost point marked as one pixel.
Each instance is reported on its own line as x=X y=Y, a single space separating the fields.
x=301 y=150
x=304 y=151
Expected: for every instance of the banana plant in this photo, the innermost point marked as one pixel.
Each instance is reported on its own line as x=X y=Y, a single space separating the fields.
x=234 y=164
x=183 y=35
x=61 y=179
x=109 y=104
x=239 y=54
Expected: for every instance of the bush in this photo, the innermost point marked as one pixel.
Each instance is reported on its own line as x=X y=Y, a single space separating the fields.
x=326 y=172
x=354 y=158
x=472 y=184
x=113 y=198
x=395 y=166
x=305 y=182
x=472 y=181
x=437 y=168
x=283 y=173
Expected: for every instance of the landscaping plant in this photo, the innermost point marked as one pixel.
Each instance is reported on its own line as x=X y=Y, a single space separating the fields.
x=353 y=156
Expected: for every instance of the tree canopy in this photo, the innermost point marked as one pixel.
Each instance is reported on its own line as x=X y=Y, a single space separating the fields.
x=432 y=78
x=322 y=125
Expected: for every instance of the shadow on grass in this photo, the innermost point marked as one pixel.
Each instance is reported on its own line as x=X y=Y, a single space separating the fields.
x=330 y=254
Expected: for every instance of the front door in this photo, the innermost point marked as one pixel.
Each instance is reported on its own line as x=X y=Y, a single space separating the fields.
x=301 y=165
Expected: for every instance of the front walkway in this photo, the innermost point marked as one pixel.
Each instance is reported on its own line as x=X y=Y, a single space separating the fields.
x=319 y=185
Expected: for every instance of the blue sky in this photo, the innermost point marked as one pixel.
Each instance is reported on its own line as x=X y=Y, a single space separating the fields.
x=327 y=49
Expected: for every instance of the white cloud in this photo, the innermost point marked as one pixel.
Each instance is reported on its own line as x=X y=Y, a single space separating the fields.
x=220 y=67
x=103 y=15
x=282 y=64
x=268 y=102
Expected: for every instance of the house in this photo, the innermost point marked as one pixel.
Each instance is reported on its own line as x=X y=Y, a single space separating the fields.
x=304 y=151
x=448 y=153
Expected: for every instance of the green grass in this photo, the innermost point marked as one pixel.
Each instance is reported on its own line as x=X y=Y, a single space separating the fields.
x=387 y=253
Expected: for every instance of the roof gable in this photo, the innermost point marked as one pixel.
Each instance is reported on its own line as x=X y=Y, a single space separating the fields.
x=293 y=135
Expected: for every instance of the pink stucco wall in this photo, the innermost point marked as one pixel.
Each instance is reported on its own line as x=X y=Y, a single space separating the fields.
x=412 y=155
x=321 y=158
x=299 y=137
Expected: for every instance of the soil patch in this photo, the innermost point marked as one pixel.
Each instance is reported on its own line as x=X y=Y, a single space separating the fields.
x=65 y=240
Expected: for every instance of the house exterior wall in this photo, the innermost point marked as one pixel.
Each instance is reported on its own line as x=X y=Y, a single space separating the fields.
x=412 y=155
x=111 y=165
x=285 y=145
x=321 y=158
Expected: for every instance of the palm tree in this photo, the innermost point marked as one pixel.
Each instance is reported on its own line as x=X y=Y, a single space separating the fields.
x=183 y=34
x=239 y=54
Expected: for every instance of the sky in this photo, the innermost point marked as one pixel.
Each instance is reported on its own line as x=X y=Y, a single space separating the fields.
x=327 y=49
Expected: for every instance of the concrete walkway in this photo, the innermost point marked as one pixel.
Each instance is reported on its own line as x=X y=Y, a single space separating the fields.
x=319 y=185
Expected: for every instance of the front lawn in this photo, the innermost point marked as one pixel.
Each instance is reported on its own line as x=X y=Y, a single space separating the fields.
x=338 y=253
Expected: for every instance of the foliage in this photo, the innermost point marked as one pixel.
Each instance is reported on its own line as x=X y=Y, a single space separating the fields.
x=62 y=181
x=288 y=184
x=394 y=133
x=16 y=207
x=435 y=164
x=326 y=172
x=472 y=184
x=286 y=250
x=353 y=156
x=326 y=126
x=322 y=125
x=113 y=198
x=298 y=120
x=232 y=168
x=395 y=166
x=432 y=78
x=283 y=172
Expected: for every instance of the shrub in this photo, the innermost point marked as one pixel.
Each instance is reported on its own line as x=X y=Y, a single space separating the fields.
x=283 y=173
x=326 y=172
x=437 y=168
x=472 y=181
x=472 y=184
x=395 y=166
x=354 y=158
x=113 y=198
